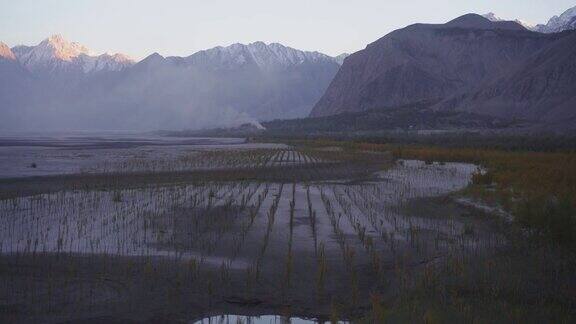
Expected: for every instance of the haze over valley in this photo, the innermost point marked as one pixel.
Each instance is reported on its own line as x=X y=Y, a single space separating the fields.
x=57 y=84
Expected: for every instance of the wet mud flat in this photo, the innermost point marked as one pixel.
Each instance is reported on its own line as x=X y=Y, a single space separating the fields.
x=30 y=155
x=321 y=240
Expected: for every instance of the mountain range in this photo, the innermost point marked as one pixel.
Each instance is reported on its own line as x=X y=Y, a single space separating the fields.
x=481 y=68
x=59 y=85
x=556 y=24
x=471 y=64
x=55 y=54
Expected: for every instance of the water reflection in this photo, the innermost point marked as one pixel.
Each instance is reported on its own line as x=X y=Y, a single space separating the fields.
x=264 y=319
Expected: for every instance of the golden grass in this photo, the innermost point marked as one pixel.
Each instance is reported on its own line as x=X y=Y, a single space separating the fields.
x=538 y=188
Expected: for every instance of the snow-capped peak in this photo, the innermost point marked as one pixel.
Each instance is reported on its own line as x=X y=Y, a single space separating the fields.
x=63 y=49
x=56 y=53
x=264 y=55
x=493 y=17
x=556 y=24
x=566 y=21
x=105 y=62
x=6 y=52
x=119 y=57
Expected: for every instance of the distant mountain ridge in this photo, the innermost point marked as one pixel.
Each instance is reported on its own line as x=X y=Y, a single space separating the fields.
x=55 y=53
x=492 y=17
x=68 y=87
x=556 y=24
x=263 y=55
x=55 y=50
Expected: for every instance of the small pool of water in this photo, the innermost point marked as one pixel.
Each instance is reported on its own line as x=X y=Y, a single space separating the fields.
x=264 y=319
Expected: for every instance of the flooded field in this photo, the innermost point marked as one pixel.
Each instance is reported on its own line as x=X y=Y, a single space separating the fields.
x=30 y=154
x=265 y=319
x=191 y=231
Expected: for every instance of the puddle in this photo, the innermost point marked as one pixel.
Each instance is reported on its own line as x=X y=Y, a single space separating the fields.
x=264 y=319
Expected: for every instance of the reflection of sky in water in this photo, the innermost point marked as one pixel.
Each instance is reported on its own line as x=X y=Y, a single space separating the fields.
x=93 y=222
x=265 y=319
x=55 y=153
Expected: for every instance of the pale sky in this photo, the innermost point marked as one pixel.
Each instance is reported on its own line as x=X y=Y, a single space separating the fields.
x=179 y=27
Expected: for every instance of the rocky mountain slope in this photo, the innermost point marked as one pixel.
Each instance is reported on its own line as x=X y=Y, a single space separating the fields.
x=542 y=88
x=340 y=58
x=426 y=62
x=472 y=64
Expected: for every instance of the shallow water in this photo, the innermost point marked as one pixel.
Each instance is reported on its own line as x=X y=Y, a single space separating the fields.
x=264 y=319
x=167 y=221
x=39 y=154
